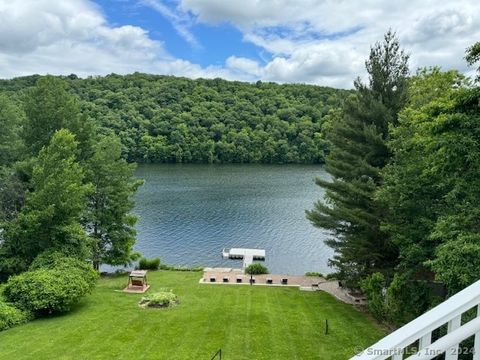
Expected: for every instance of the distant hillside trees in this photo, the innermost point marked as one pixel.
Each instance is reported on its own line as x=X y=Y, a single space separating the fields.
x=164 y=119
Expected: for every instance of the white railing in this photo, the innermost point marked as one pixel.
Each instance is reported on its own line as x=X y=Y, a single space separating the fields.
x=418 y=333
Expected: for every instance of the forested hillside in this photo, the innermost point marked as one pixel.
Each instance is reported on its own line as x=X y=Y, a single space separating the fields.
x=171 y=119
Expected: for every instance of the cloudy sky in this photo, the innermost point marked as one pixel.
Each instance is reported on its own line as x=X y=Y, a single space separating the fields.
x=321 y=42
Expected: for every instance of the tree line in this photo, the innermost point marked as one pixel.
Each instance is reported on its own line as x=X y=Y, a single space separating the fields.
x=165 y=119
x=403 y=205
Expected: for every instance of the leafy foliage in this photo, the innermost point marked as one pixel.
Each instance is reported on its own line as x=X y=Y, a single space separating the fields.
x=374 y=287
x=10 y=316
x=10 y=144
x=45 y=291
x=256 y=269
x=314 y=274
x=171 y=119
x=108 y=218
x=431 y=187
x=59 y=261
x=149 y=264
x=49 y=108
x=68 y=190
x=162 y=299
x=50 y=219
x=407 y=298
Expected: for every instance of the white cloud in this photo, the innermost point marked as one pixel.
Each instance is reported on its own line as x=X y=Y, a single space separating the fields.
x=244 y=65
x=314 y=41
x=327 y=41
x=58 y=37
x=180 y=21
x=63 y=37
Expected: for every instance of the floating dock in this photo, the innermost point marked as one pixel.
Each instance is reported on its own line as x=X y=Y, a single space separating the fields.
x=248 y=255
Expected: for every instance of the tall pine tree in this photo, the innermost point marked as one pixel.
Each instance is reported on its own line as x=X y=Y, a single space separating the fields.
x=358 y=153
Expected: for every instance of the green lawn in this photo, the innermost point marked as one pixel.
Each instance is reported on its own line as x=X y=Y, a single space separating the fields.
x=245 y=322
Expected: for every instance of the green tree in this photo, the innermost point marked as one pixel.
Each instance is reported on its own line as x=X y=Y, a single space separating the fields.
x=12 y=195
x=50 y=219
x=10 y=143
x=358 y=153
x=431 y=188
x=48 y=108
x=411 y=191
x=108 y=219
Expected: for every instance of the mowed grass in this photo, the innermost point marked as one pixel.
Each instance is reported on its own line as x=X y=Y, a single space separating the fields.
x=246 y=322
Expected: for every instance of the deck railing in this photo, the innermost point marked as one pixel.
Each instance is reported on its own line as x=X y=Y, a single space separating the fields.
x=417 y=334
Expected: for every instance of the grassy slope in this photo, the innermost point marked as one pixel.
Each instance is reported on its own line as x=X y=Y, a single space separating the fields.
x=246 y=322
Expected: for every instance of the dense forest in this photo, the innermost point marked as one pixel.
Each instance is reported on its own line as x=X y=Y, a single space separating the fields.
x=164 y=119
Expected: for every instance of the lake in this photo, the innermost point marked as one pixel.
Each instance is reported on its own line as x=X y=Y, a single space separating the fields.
x=189 y=213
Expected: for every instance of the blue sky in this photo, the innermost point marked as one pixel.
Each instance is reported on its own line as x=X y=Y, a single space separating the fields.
x=322 y=42
x=215 y=42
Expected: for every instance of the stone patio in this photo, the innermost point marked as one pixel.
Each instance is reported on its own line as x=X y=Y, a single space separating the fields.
x=232 y=276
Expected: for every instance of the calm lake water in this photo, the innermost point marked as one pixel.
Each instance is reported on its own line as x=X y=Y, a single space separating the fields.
x=189 y=213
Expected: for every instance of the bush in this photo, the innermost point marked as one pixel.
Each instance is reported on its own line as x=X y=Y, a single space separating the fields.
x=332 y=276
x=58 y=261
x=256 y=269
x=45 y=291
x=180 y=268
x=313 y=273
x=406 y=299
x=149 y=264
x=374 y=288
x=11 y=316
x=160 y=299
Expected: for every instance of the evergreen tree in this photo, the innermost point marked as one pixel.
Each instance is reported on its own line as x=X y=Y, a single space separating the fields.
x=50 y=219
x=358 y=153
x=108 y=220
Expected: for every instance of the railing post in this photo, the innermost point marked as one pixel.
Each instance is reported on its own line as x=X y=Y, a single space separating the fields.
x=452 y=353
x=476 y=343
x=398 y=356
x=425 y=341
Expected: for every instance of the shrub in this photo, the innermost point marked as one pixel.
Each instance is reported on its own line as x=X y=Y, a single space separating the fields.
x=256 y=269
x=11 y=316
x=59 y=261
x=374 y=288
x=180 y=268
x=160 y=299
x=149 y=264
x=45 y=291
x=313 y=273
x=406 y=299
x=331 y=276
